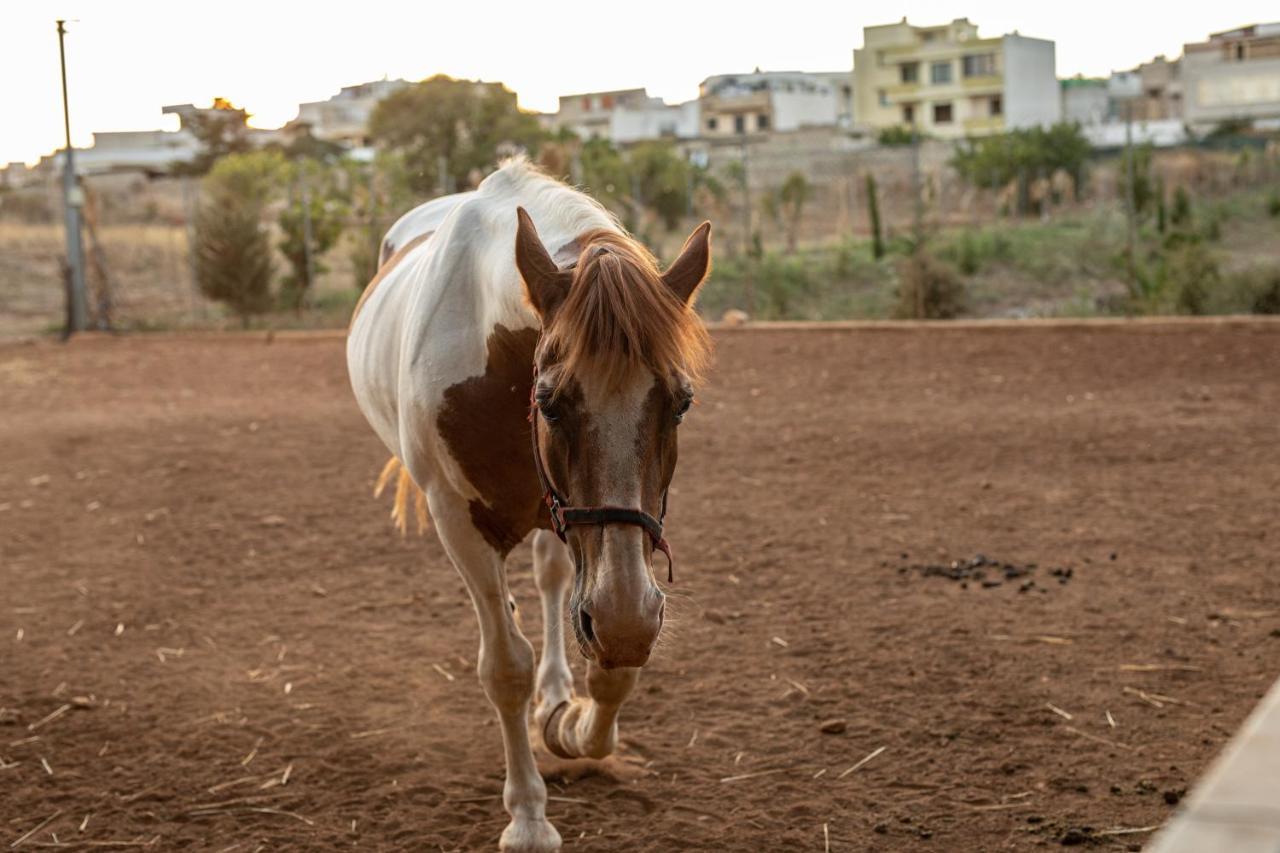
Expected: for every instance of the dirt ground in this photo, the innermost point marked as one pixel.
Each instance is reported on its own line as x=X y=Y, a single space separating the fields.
x=212 y=640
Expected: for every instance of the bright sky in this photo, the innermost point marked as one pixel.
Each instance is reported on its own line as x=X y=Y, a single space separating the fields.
x=127 y=58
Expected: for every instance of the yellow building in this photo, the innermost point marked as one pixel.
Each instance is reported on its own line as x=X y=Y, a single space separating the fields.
x=947 y=81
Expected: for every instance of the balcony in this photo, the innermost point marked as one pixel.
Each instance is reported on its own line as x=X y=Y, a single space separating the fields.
x=983 y=124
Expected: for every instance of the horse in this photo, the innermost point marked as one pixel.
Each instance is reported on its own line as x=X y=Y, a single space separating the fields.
x=529 y=382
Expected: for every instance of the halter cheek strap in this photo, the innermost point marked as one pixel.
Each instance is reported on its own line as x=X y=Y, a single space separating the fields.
x=563 y=517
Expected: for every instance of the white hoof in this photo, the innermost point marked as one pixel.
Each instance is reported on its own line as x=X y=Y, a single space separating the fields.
x=567 y=732
x=529 y=836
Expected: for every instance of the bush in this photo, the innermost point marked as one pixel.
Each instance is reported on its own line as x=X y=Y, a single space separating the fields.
x=873 y=213
x=995 y=161
x=1185 y=279
x=973 y=250
x=896 y=135
x=233 y=260
x=1273 y=204
x=1255 y=291
x=1181 y=215
x=928 y=288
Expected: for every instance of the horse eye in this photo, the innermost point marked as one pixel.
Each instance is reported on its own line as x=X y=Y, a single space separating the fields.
x=547 y=407
x=683 y=408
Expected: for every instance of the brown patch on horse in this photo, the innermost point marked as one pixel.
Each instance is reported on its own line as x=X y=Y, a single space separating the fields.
x=385 y=269
x=484 y=421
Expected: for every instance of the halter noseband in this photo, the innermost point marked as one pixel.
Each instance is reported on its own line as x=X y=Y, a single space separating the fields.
x=563 y=517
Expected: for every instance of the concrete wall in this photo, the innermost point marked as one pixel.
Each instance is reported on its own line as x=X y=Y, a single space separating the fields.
x=1214 y=90
x=1031 y=93
x=794 y=110
x=1085 y=103
x=679 y=121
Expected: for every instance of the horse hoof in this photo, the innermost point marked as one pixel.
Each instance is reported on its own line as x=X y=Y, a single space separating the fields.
x=529 y=836
x=551 y=732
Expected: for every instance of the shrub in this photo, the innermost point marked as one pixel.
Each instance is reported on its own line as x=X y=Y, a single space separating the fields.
x=233 y=261
x=1185 y=279
x=1181 y=214
x=1255 y=291
x=973 y=250
x=1266 y=299
x=873 y=213
x=896 y=135
x=928 y=288
x=1273 y=204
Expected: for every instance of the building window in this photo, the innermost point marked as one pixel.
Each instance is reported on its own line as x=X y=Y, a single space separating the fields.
x=739 y=124
x=762 y=122
x=908 y=114
x=978 y=65
x=996 y=106
x=940 y=72
x=909 y=72
x=882 y=97
x=942 y=113
x=711 y=123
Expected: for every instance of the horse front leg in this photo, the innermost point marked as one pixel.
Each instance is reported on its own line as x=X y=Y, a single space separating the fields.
x=572 y=727
x=506 y=671
x=553 y=573
x=588 y=728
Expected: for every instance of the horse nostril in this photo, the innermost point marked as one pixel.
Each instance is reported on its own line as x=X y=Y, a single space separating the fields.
x=584 y=621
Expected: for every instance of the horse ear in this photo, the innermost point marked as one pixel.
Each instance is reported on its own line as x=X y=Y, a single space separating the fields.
x=691 y=268
x=544 y=283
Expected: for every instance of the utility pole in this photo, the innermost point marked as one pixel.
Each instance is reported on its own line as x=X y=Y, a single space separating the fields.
x=917 y=191
x=306 y=234
x=72 y=199
x=747 y=241
x=1130 y=200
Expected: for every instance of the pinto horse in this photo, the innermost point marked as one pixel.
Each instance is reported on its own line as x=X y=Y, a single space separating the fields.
x=531 y=380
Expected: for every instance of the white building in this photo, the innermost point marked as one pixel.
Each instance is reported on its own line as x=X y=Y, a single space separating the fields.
x=344 y=118
x=764 y=101
x=1235 y=75
x=654 y=121
x=590 y=115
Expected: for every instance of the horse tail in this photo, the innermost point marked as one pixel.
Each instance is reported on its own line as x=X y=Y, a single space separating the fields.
x=405 y=488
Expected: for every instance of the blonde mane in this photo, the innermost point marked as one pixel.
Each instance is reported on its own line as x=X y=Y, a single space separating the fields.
x=620 y=315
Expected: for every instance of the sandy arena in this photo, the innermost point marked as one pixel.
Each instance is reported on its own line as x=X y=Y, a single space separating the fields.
x=213 y=640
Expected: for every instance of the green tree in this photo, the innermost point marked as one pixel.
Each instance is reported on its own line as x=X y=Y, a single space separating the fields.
x=662 y=180
x=873 y=213
x=1181 y=214
x=462 y=126
x=379 y=193
x=795 y=191
x=1144 y=186
x=605 y=173
x=1023 y=155
x=233 y=258
x=318 y=203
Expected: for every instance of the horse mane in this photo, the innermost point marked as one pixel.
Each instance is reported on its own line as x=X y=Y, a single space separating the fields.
x=620 y=315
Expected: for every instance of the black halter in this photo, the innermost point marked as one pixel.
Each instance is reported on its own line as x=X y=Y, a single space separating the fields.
x=563 y=517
